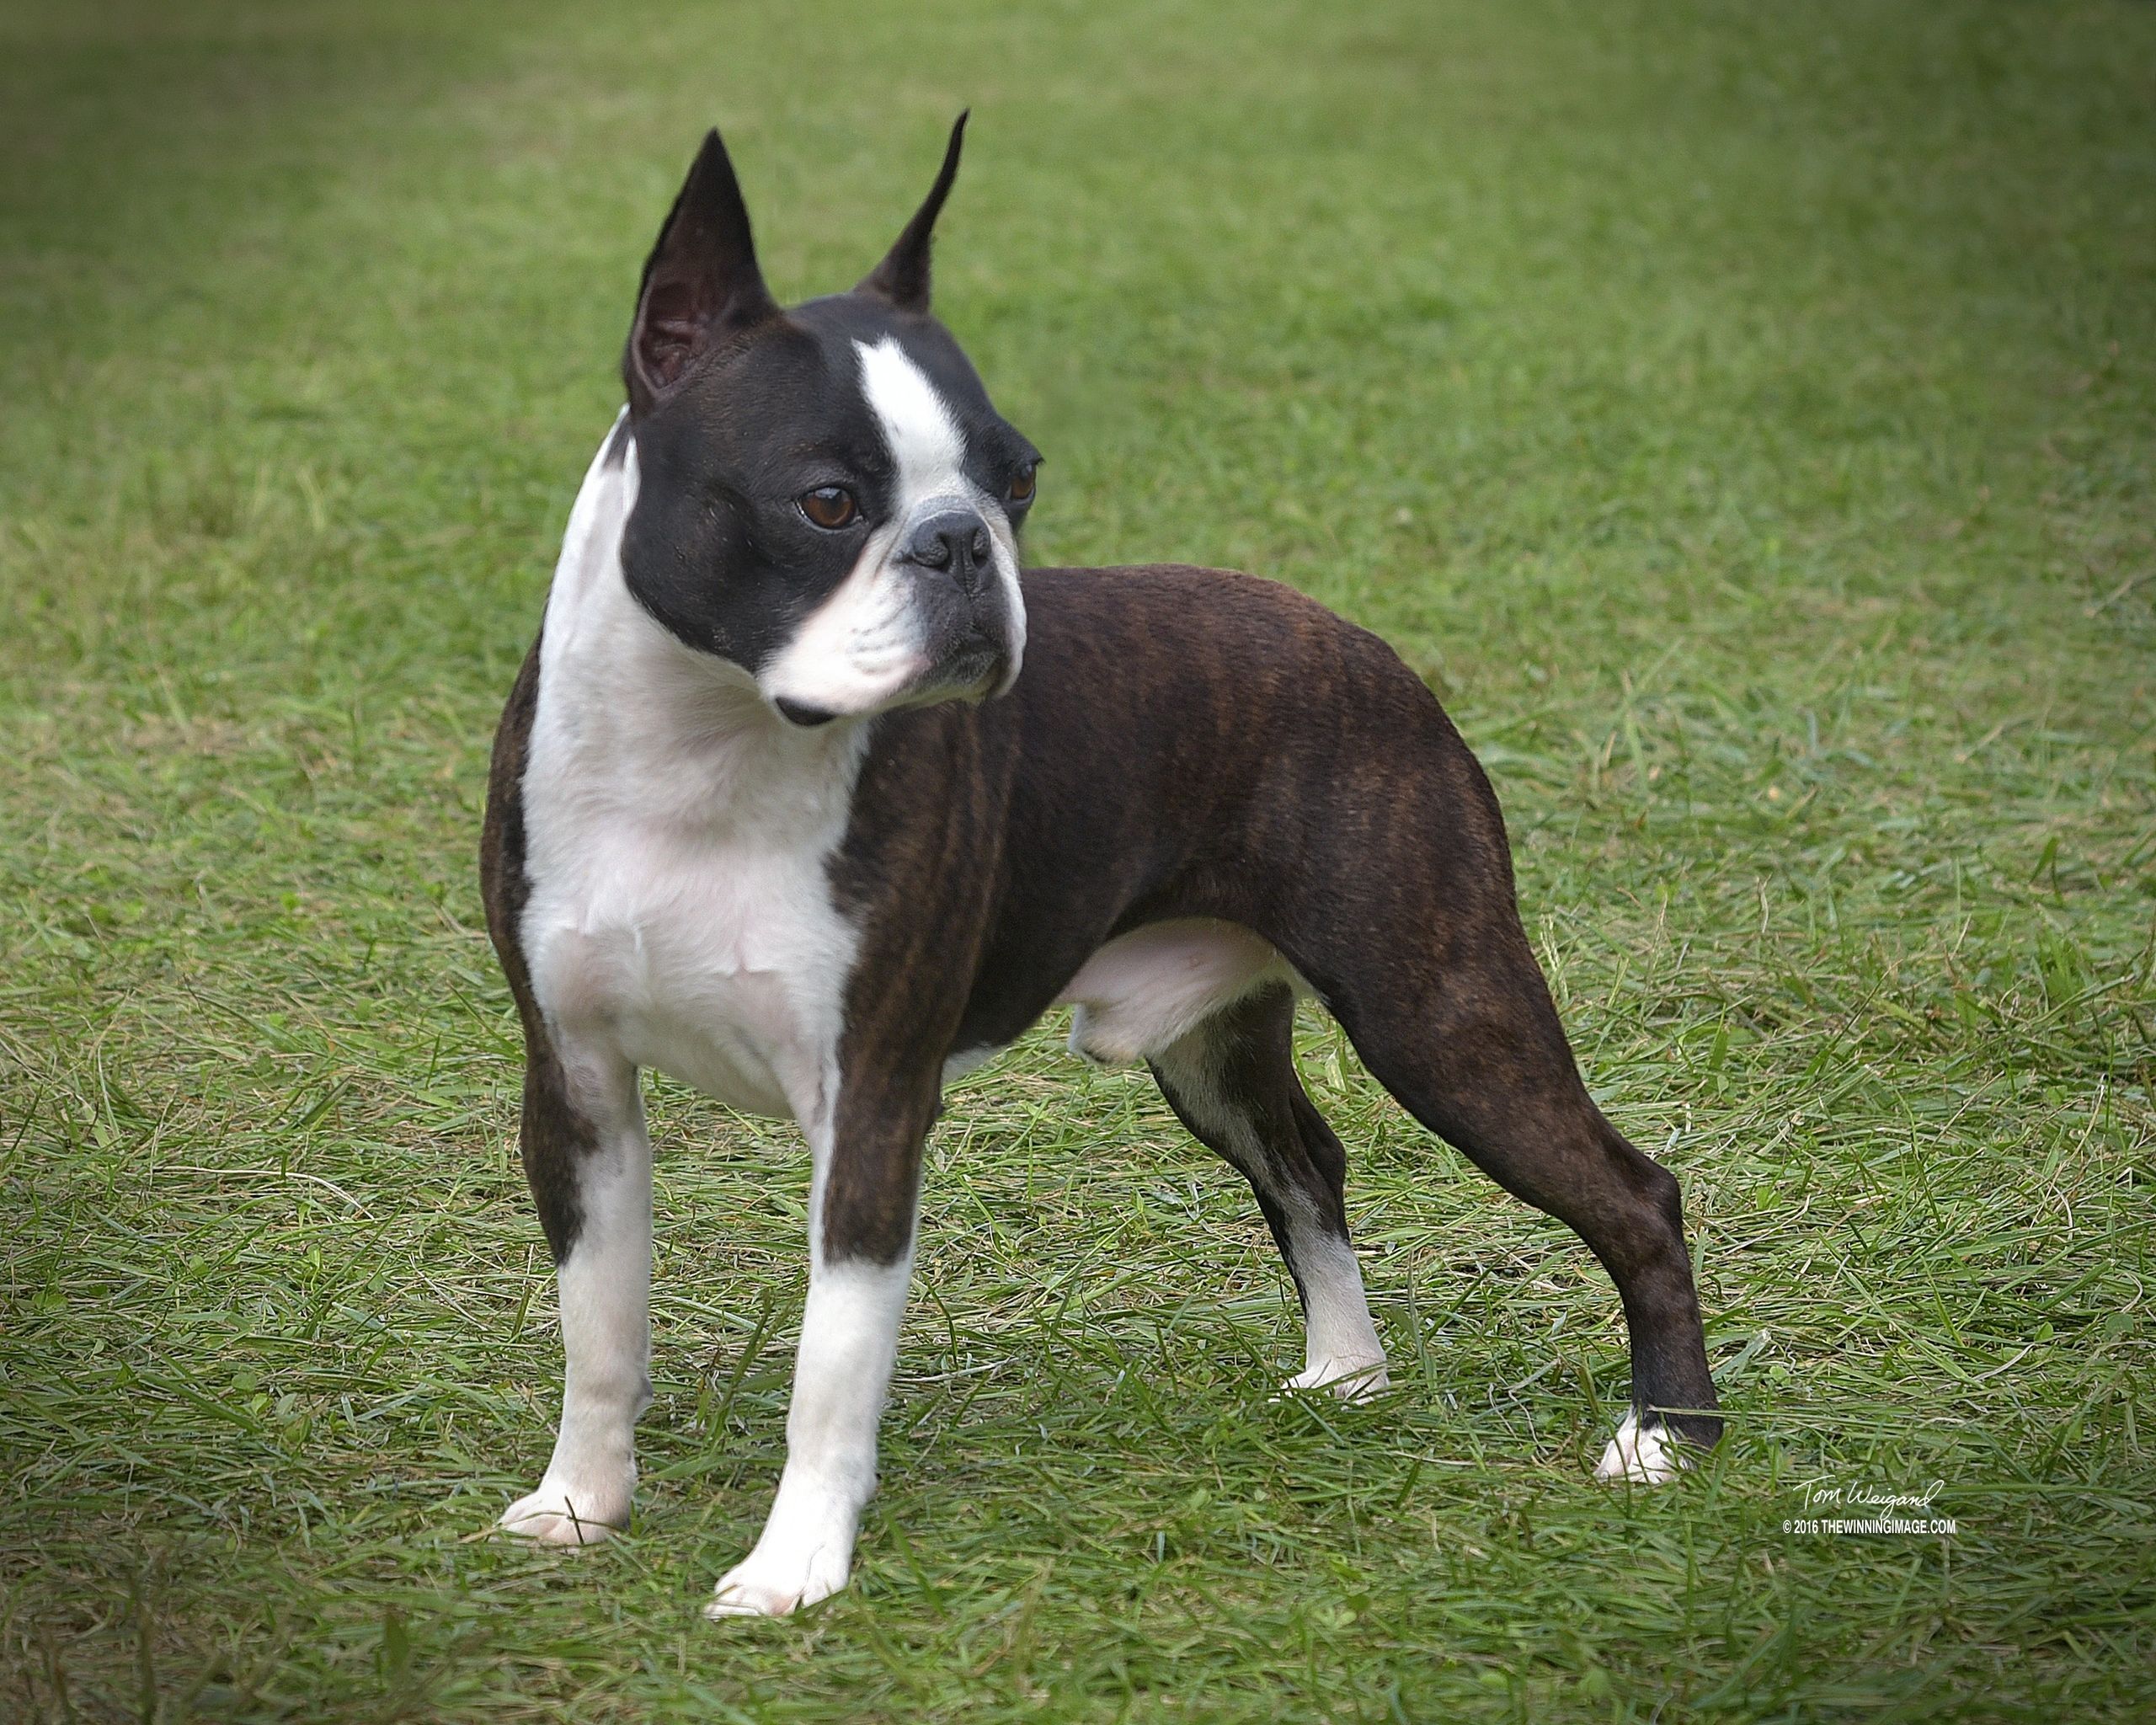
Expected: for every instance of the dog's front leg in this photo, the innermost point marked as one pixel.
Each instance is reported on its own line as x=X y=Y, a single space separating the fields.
x=589 y=1162
x=862 y=1208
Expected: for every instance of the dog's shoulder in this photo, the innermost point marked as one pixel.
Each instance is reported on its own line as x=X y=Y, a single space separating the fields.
x=504 y=885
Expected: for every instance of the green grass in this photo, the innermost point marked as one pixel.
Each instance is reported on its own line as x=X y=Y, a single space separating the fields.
x=1743 y=414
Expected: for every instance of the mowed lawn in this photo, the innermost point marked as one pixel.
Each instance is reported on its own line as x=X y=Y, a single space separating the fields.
x=1743 y=415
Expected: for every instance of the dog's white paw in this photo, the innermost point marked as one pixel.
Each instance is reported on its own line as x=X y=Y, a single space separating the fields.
x=774 y=1585
x=1350 y=1380
x=555 y=1515
x=1646 y=1455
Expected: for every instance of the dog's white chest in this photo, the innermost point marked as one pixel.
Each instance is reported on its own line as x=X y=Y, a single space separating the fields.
x=678 y=844
x=719 y=962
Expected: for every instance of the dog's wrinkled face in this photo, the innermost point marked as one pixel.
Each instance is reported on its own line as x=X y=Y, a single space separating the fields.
x=825 y=496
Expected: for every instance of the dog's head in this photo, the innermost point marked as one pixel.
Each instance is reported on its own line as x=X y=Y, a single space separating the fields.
x=826 y=499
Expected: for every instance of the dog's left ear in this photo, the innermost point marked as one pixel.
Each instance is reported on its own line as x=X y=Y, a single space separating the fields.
x=701 y=284
x=902 y=278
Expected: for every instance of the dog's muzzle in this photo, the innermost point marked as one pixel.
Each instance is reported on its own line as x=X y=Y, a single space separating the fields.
x=967 y=628
x=952 y=572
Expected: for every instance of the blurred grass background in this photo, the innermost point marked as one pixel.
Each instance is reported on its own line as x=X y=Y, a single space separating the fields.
x=1742 y=415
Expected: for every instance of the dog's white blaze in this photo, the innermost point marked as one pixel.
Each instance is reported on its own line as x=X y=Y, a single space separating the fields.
x=864 y=647
x=1645 y=1456
x=919 y=428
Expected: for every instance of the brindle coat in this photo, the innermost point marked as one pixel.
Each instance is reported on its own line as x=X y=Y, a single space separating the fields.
x=1187 y=742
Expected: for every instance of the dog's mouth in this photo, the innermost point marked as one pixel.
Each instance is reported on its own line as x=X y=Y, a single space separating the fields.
x=974 y=667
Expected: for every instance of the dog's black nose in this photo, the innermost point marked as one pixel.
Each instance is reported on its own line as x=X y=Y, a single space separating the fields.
x=957 y=540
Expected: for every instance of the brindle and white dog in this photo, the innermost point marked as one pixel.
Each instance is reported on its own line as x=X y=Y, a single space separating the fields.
x=775 y=809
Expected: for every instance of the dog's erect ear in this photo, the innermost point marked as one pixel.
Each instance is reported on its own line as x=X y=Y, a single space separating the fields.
x=701 y=283
x=902 y=278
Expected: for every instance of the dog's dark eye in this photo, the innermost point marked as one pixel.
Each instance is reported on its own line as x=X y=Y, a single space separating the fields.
x=1022 y=488
x=830 y=506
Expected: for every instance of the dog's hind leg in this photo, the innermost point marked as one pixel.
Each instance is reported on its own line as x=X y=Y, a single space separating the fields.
x=1232 y=1081
x=589 y=1164
x=1467 y=1040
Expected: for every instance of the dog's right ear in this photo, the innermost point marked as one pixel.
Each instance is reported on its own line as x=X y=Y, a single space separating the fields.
x=701 y=283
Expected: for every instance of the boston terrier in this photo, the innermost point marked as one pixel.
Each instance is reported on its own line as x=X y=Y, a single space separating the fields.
x=811 y=796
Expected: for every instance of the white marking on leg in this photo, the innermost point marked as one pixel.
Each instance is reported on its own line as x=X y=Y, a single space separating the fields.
x=1341 y=1349
x=1645 y=1456
x=604 y=1286
x=849 y=1340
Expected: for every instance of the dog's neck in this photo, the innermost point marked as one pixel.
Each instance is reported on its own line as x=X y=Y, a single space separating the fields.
x=632 y=706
